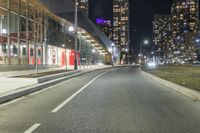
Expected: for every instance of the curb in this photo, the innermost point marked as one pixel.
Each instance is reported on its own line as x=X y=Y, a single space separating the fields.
x=25 y=91
x=195 y=95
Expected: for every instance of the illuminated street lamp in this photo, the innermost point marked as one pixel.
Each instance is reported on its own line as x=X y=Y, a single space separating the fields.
x=197 y=40
x=71 y=29
x=145 y=42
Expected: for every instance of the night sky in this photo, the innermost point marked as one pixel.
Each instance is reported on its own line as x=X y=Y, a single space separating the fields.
x=141 y=16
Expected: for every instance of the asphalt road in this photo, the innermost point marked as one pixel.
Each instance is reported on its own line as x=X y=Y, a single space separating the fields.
x=118 y=101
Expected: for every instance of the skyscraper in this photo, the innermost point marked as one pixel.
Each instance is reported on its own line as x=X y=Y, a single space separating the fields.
x=105 y=26
x=121 y=27
x=83 y=5
x=185 y=15
x=162 y=37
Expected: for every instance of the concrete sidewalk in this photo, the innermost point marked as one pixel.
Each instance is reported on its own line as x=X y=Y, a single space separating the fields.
x=9 y=84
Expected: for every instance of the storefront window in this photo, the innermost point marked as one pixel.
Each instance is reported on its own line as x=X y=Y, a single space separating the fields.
x=3 y=22
x=23 y=8
x=4 y=3
x=23 y=28
x=31 y=12
x=38 y=15
x=23 y=54
x=14 y=5
x=4 y=48
x=38 y=32
x=14 y=25
x=31 y=55
x=3 y=51
x=14 y=51
x=31 y=30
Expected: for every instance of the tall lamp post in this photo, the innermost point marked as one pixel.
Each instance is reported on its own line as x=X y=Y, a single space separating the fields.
x=75 y=36
x=65 y=55
x=141 y=52
x=113 y=54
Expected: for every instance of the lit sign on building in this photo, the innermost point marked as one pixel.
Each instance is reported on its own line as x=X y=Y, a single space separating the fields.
x=102 y=21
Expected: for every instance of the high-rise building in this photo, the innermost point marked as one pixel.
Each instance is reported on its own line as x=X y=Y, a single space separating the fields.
x=185 y=15
x=121 y=27
x=162 y=37
x=105 y=26
x=83 y=5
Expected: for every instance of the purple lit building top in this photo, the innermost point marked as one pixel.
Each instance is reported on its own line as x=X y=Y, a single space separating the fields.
x=102 y=21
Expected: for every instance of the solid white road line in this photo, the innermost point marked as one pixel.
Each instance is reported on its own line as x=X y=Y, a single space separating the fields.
x=76 y=93
x=31 y=129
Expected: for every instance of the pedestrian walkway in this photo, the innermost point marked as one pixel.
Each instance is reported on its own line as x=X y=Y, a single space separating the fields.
x=8 y=82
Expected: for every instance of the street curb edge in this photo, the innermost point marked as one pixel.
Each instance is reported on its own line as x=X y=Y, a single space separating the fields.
x=195 y=95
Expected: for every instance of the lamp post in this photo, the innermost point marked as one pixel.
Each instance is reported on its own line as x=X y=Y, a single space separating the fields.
x=75 y=36
x=65 y=55
x=113 y=54
x=141 y=52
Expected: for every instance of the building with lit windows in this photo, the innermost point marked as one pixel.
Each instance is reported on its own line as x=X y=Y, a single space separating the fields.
x=121 y=27
x=197 y=43
x=31 y=34
x=105 y=26
x=185 y=15
x=162 y=38
x=83 y=5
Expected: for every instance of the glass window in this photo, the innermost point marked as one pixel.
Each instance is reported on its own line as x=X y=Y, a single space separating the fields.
x=3 y=22
x=31 y=12
x=38 y=32
x=23 y=52
x=14 y=25
x=31 y=30
x=39 y=52
x=23 y=28
x=4 y=48
x=23 y=45
x=4 y=3
x=31 y=52
x=23 y=8
x=14 y=46
x=14 y=5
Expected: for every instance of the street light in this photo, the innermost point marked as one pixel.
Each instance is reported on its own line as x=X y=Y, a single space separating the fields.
x=75 y=35
x=65 y=55
x=71 y=29
x=146 y=42
x=197 y=40
x=113 y=54
x=141 y=54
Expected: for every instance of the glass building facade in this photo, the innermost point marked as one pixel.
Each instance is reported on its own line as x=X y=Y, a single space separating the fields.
x=30 y=34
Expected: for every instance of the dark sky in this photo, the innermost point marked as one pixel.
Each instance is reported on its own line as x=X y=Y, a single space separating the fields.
x=141 y=16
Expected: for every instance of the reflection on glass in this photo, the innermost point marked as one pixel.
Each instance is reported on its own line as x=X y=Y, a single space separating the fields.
x=14 y=49
x=23 y=27
x=3 y=21
x=31 y=51
x=23 y=51
x=14 y=5
x=23 y=8
x=14 y=25
x=4 y=49
x=4 y=3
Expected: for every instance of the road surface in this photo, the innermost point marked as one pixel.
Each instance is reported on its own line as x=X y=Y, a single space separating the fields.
x=120 y=100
